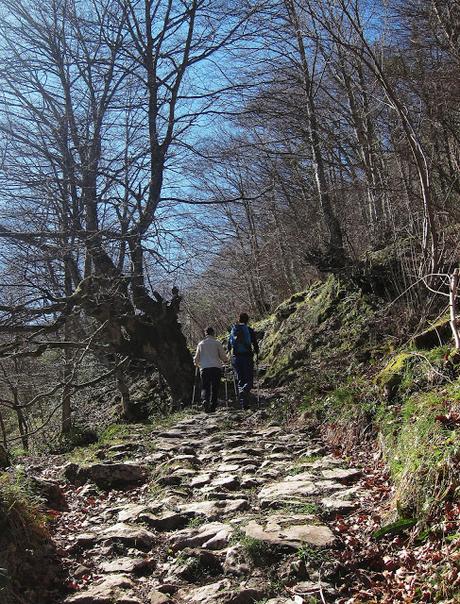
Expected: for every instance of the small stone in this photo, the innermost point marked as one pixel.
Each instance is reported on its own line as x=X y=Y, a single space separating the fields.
x=338 y=506
x=228 y=467
x=245 y=595
x=226 y=482
x=167 y=522
x=342 y=475
x=81 y=571
x=234 y=563
x=168 y=481
x=208 y=594
x=214 y=509
x=200 y=481
x=51 y=492
x=127 y=565
x=198 y=537
x=300 y=477
x=156 y=597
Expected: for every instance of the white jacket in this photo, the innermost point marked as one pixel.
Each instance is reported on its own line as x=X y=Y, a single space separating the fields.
x=210 y=353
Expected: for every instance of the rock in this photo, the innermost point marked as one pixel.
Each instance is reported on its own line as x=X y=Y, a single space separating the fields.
x=128 y=565
x=131 y=512
x=287 y=531
x=131 y=536
x=343 y=475
x=107 y=475
x=89 y=490
x=226 y=482
x=325 y=462
x=208 y=594
x=51 y=492
x=307 y=589
x=155 y=458
x=214 y=509
x=168 y=481
x=174 y=434
x=197 y=564
x=170 y=521
x=204 y=534
x=156 y=597
x=107 y=592
x=279 y=493
x=245 y=595
x=200 y=481
x=86 y=540
x=234 y=563
x=81 y=571
x=184 y=473
x=248 y=482
x=338 y=506
x=228 y=467
x=220 y=539
x=300 y=477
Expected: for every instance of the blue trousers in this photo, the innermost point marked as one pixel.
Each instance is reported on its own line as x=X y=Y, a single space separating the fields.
x=243 y=364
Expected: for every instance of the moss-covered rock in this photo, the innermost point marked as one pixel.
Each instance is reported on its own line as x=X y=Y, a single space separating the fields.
x=317 y=330
x=438 y=334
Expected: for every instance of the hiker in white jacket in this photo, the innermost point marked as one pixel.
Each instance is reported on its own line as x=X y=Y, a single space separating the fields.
x=209 y=357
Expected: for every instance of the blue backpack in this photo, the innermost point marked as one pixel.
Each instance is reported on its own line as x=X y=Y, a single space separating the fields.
x=240 y=339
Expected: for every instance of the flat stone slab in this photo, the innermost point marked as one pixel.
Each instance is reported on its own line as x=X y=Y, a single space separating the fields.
x=226 y=482
x=127 y=565
x=133 y=536
x=342 y=474
x=132 y=512
x=300 y=477
x=170 y=521
x=287 y=532
x=215 y=509
x=200 y=481
x=208 y=594
x=337 y=505
x=286 y=491
x=107 y=592
x=228 y=467
x=204 y=536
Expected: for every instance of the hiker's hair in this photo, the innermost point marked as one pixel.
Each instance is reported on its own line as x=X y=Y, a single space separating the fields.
x=209 y=331
x=244 y=317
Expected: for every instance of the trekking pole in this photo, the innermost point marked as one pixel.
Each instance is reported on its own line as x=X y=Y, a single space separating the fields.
x=226 y=385
x=235 y=385
x=257 y=382
x=194 y=388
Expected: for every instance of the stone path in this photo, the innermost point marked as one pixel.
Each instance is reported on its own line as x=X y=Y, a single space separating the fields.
x=215 y=510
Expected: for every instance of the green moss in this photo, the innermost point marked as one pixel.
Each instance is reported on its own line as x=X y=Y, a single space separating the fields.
x=334 y=347
x=391 y=376
x=438 y=334
x=328 y=322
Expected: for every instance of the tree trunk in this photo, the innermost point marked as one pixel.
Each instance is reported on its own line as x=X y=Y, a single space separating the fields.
x=146 y=330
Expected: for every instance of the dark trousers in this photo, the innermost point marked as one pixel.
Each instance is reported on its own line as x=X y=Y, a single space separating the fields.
x=210 y=382
x=243 y=364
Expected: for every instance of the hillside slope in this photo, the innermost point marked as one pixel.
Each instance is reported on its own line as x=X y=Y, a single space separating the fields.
x=346 y=365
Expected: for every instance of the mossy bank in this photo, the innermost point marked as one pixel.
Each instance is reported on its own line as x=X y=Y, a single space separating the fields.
x=350 y=365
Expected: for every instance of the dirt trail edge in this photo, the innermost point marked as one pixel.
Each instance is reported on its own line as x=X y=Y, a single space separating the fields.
x=214 y=510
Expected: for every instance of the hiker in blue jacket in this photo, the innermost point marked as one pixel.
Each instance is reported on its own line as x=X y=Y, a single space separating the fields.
x=242 y=343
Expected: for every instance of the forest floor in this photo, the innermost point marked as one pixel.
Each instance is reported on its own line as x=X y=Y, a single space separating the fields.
x=227 y=508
